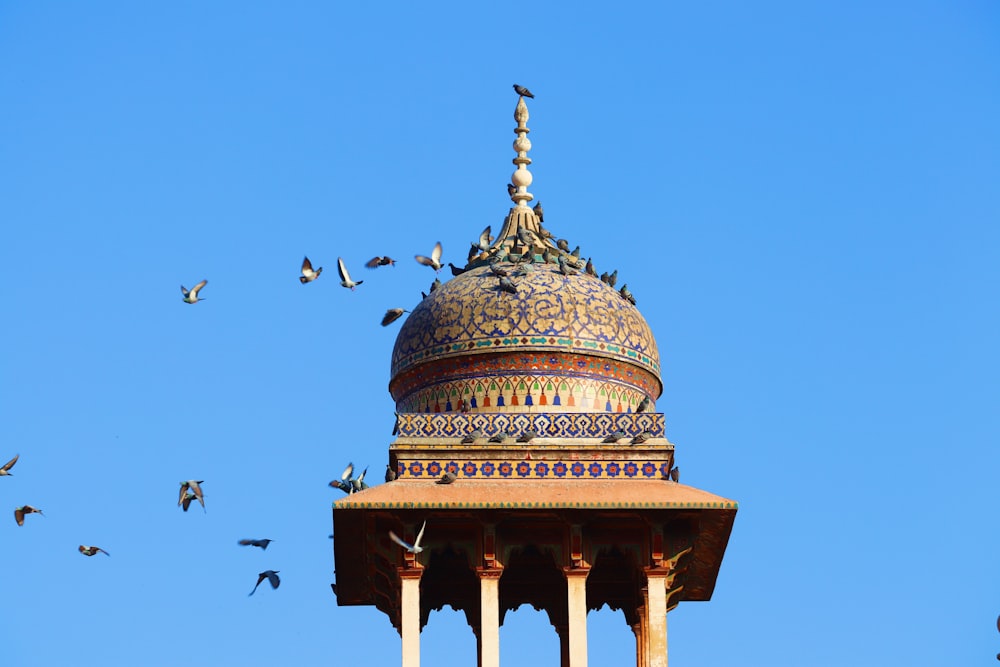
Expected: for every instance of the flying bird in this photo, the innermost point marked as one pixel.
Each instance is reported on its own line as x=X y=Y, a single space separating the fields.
x=376 y=262
x=447 y=478
x=188 y=499
x=358 y=483
x=390 y=473
x=522 y=91
x=391 y=316
x=91 y=551
x=271 y=576
x=255 y=543
x=345 y=277
x=308 y=275
x=5 y=470
x=434 y=261
x=19 y=513
x=344 y=483
x=191 y=295
x=484 y=239
x=643 y=405
x=195 y=488
x=414 y=548
x=614 y=437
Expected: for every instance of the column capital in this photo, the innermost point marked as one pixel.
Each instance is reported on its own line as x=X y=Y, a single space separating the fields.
x=576 y=572
x=489 y=572
x=410 y=572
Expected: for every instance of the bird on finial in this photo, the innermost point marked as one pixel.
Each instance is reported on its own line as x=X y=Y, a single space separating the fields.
x=522 y=91
x=308 y=275
x=511 y=190
x=345 y=277
x=434 y=261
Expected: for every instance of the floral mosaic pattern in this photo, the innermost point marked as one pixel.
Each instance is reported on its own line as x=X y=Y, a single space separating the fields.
x=549 y=311
x=547 y=425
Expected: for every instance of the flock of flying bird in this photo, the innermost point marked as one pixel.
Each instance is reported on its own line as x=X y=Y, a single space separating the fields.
x=190 y=491
x=554 y=251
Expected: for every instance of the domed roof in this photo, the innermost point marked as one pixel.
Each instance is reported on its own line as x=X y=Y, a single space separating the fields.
x=546 y=334
x=550 y=311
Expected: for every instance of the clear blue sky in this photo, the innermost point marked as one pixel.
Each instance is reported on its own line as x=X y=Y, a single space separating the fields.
x=803 y=198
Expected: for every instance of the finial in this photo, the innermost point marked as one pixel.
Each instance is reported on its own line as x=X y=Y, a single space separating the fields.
x=521 y=178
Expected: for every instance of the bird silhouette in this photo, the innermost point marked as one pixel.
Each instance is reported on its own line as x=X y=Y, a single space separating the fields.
x=511 y=190
x=191 y=295
x=255 y=543
x=91 y=551
x=522 y=91
x=434 y=285
x=414 y=548
x=434 y=261
x=5 y=469
x=376 y=262
x=627 y=294
x=195 y=487
x=614 y=437
x=392 y=315
x=643 y=405
x=456 y=270
x=613 y=278
x=345 y=277
x=390 y=473
x=271 y=576
x=590 y=268
x=674 y=475
x=308 y=275
x=447 y=478
x=19 y=513
x=540 y=212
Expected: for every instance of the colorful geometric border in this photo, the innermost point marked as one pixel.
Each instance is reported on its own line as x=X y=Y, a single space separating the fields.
x=546 y=424
x=521 y=469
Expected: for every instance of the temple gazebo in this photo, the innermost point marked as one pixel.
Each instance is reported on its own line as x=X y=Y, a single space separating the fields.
x=518 y=385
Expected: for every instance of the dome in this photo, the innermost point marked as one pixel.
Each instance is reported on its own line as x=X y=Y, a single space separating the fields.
x=547 y=336
x=561 y=343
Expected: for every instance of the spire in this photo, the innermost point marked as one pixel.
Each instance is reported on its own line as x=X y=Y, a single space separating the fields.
x=521 y=178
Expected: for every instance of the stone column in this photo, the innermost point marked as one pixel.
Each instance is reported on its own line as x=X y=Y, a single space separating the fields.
x=489 y=617
x=576 y=591
x=563 y=632
x=410 y=621
x=656 y=617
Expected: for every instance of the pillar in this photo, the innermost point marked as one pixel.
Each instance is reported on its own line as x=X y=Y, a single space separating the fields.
x=563 y=632
x=656 y=617
x=410 y=621
x=489 y=617
x=576 y=591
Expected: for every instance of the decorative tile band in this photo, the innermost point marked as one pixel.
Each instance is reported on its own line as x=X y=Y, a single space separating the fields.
x=563 y=382
x=547 y=424
x=506 y=469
